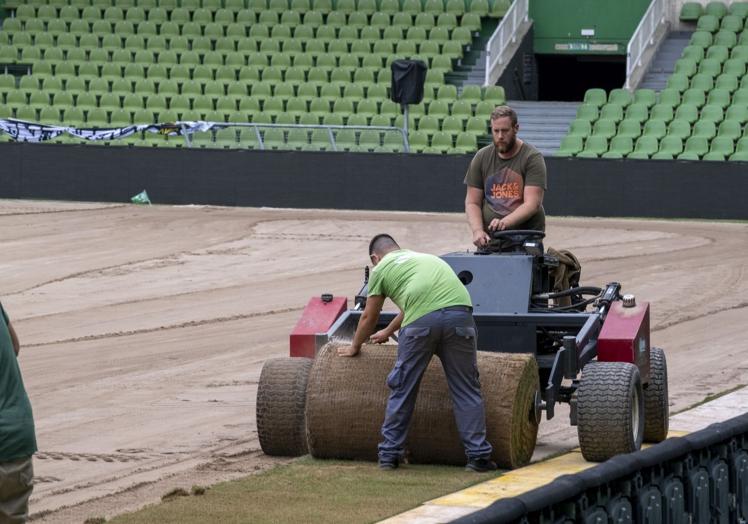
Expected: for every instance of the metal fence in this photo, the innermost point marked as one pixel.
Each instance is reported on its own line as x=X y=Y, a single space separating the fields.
x=505 y=34
x=701 y=478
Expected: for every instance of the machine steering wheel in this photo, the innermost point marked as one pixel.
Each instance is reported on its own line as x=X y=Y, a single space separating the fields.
x=512 y=239
x=518 y=235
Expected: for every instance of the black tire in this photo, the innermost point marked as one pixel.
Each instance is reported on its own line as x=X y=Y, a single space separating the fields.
x=656 y=410
x=610 y=410
x=281 y=400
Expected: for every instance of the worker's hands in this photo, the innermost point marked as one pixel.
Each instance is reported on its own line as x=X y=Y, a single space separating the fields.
x=348 y=351
x=480 y=238
x=381 y=336
x=499 y=224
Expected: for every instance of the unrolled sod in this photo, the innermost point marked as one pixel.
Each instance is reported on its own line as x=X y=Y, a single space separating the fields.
x=346 y=400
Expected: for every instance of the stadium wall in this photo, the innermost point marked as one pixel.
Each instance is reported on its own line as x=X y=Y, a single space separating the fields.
x=374 y=181
x=520 y=77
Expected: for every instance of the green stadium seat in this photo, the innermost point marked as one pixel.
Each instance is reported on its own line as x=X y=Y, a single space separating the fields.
x=630 y=129
x=716 y=9
x=730 y=129
x=695 y=97
x=647 y=97
x=678 y=82
x=645 y=147
x=587 y=111
x=638 y=112
x=620 y=147
x=669 y=97
x=594 y=147
x=702 y=81
x=693 y=52
x=711 y=113
x=737 y=112
x=725 y=38
x=717 y=54
x=720 y=97
x=727 y=81
x=670 y=147
x=570 y=146
x=596 y=97
x=701 y=38
x=704 y=129
x=708 y=23
x=740 y=51
x=687 y=112
x=578 y=127
x=686 y=66
x=735 y=66
x=719 y=149
x=739 y=9
x=622 y=97
x=612 y=112
x=691 y=11
x=696 y=147
x=655 y=128
x=679 y=128
x=604 y=128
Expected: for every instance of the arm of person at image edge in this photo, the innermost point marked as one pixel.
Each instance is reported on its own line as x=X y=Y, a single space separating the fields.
x=11 y=331
x=532 y=200
x=367 y=324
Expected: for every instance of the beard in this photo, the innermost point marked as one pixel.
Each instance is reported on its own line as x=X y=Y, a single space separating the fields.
x=504 y=148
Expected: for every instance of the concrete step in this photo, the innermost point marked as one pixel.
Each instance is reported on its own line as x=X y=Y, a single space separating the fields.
x=544 y=124
x=663 y=63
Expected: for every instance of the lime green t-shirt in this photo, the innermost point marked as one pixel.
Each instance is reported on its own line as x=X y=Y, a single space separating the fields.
x=418 y=283
x=17 y=438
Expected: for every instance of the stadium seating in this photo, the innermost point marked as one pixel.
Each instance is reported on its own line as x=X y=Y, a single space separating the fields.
x=702 y=113
x=109 y=63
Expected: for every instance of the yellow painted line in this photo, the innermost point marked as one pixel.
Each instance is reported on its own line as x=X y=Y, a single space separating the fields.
x=518 y=481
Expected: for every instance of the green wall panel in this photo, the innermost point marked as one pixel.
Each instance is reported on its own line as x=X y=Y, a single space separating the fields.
x=558 y=25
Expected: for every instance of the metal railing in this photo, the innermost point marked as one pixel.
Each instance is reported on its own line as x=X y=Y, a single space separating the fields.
x=643 y=37
x=505 y=34
x=329 y=128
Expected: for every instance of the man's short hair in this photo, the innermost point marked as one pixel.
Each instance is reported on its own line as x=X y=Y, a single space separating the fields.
x=381 y=242
x=502 y=112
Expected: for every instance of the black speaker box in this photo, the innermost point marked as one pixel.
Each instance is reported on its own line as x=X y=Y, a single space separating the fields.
x=408 y=77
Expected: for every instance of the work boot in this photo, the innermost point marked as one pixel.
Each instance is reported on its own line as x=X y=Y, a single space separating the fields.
x=388 y=464
x=480 y=465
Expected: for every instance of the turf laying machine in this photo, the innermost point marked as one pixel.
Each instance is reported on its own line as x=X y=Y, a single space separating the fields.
x=587 y=347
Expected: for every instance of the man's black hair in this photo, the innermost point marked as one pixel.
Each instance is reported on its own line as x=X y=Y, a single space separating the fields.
x=381 y=242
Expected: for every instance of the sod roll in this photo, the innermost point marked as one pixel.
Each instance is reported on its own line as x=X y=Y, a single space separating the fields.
x=281 y=395
x=346 y=399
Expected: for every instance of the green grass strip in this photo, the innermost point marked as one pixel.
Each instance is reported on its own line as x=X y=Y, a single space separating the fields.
x=310 y=491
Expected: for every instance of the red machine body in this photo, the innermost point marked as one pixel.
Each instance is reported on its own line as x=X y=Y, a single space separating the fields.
x=624 y=337
x=318 y=316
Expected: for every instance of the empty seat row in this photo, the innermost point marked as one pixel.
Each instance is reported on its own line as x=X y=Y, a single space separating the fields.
x=55 y=8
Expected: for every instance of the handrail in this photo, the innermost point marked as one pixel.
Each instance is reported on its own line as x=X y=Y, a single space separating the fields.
x=506 y=33
x=643 y=37
x=329 y=128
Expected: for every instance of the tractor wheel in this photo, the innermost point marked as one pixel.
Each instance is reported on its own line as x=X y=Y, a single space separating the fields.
x=281 y=400
x=656 y=411
x=610 y=410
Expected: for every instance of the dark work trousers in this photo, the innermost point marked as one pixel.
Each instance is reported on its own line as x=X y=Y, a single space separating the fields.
x=449 y=333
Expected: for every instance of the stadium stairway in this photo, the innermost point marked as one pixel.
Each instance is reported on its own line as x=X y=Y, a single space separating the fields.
x=663 y=63
x=544 y=124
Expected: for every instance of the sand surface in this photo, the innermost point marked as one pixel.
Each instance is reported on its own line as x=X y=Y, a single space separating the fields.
x=144 y=329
